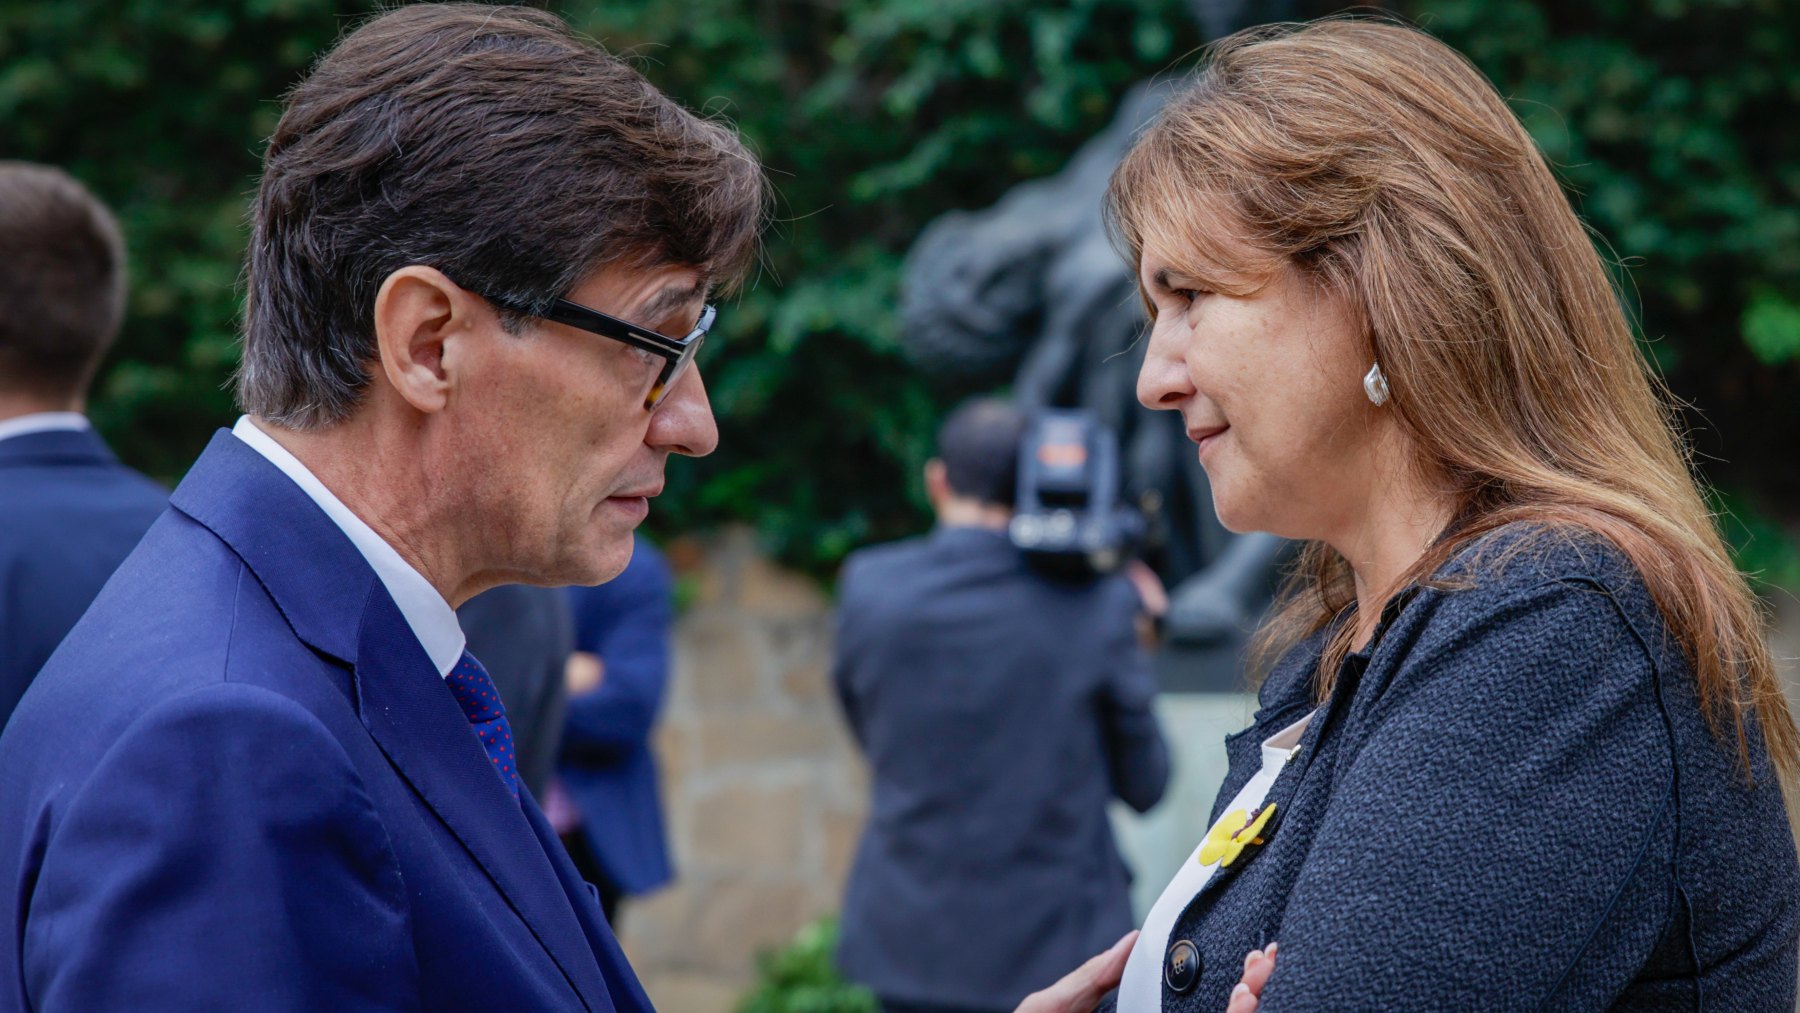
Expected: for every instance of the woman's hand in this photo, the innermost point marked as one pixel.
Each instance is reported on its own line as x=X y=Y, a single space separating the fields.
x=1080 y=990
x=1258 y=965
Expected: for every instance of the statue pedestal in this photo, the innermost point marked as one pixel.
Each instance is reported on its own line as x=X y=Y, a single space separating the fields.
x=1209 y=668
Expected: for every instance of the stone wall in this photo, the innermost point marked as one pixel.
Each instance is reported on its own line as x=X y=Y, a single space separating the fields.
x=764 y=791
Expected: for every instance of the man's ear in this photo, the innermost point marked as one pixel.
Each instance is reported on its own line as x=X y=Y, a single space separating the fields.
x=418 y=312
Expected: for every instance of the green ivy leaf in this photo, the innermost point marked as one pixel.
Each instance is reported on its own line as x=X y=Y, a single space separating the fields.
x=1772 y=328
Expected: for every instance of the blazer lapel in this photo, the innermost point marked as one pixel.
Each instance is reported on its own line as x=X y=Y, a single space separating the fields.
x=1337 y=708
x=336 y=604
x=1281 y=793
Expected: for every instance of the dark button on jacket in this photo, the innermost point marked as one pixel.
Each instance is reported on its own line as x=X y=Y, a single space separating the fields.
x=1182 y=968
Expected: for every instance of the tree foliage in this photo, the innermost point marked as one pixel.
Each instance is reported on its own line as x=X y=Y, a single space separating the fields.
x=1672 y=121
x=1673 y=124
x=873 y=116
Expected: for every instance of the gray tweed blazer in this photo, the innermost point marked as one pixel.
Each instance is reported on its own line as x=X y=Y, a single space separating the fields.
x=1510 y=801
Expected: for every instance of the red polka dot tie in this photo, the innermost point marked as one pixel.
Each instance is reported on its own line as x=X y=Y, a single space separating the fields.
x=480 y=701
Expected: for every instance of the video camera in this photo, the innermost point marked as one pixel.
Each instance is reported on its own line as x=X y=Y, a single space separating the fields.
x=1067 y=517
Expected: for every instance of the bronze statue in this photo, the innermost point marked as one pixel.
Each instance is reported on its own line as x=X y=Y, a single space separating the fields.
x=1032 y=287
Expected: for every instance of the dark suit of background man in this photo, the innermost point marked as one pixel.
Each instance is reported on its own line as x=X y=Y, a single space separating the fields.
x=613 y=821
x=262 y=772
x=524 y=636
x=69 y=511
x=999 y=711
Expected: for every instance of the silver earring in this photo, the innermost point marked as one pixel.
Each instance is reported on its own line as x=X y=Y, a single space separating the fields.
x=1375 y=385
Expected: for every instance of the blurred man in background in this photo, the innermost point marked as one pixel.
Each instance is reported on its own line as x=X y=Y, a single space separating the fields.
x=69 y=511
x=1000 y=711
x=609 y=808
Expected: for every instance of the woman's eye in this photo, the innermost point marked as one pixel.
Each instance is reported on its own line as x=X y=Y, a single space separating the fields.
x=1189 y=295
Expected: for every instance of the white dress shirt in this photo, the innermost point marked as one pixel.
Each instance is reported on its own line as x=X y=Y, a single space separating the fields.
x=432 y=619
x=1140 y=990
x=42 y=422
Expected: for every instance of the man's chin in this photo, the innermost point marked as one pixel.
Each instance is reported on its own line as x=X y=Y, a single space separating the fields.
x=601 y=563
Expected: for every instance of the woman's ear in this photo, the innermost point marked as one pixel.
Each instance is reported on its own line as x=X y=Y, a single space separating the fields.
x=418 y=313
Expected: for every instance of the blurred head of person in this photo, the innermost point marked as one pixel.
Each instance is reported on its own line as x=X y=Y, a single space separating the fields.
x=974 y=477
x=1349 y=194
x=443 y=179
x=62 y=288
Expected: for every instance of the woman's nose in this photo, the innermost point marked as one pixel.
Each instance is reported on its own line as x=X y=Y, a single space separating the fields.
x=1163 y=381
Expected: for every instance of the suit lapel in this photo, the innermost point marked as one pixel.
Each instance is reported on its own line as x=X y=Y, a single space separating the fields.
x=417 y=723
x=336 y=604
x=622 y=985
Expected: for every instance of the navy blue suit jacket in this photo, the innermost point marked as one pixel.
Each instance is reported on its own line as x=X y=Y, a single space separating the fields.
x=1000 y=711
x=69 y=514
x=607 y=766
x=241 y=784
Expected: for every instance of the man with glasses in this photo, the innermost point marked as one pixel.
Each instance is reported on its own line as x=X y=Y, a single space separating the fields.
x=264 y=772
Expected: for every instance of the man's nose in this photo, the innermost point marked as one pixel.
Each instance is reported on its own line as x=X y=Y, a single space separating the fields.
x=683 y=423
x=1163 y=380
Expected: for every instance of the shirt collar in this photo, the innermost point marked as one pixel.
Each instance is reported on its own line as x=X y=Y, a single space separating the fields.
x=42 y=422
x=431 y=618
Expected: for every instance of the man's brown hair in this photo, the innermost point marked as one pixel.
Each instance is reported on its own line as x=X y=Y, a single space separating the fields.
x=492 y=144
x=62 y=282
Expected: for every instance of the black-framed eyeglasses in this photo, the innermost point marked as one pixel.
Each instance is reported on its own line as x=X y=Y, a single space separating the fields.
x=677 y=353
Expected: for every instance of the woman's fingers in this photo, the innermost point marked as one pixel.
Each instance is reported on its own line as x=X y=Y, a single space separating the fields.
x=1247 y=993
x=1081 y=989
x=1257 y=968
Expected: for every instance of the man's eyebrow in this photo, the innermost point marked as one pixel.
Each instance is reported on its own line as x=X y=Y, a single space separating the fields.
x=668 y=300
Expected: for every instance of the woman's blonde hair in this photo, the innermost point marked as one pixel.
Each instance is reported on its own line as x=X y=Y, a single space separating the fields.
x=1383 y=164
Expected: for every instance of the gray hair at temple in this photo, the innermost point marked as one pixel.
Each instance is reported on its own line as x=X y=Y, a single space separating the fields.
x=493 y=144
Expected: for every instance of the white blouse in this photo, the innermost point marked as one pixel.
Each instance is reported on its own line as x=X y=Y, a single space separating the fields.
x=1140 y=991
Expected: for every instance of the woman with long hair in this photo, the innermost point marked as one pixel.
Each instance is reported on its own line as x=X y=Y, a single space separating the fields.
x=1521 y=744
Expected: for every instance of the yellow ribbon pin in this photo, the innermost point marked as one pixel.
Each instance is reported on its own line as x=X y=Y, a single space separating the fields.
x=1235 y=831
